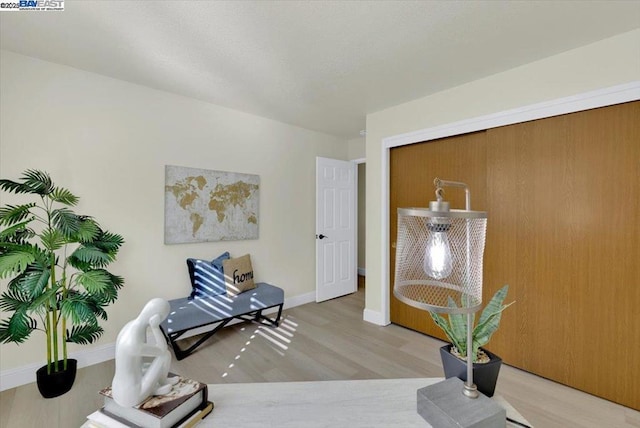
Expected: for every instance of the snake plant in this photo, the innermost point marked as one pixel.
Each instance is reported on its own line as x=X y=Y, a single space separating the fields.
x=56 y=260
x=455 y=327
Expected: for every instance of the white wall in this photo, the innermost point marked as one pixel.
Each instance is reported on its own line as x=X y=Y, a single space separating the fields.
x=600 y=65
x=108 y=141
x=356 y=148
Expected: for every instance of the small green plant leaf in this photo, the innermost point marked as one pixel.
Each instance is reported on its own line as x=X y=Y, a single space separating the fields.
x=458 y=323
x=444 y=325
x=484 y=330
x=494 y=304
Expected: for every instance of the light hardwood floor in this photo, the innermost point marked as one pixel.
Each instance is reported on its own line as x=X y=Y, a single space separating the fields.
x=319 y=342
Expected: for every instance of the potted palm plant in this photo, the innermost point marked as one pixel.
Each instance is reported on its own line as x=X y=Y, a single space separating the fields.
x=486 y=365
x=56 y=262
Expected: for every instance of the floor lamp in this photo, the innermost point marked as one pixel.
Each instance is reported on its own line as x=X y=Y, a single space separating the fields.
x=439 y=253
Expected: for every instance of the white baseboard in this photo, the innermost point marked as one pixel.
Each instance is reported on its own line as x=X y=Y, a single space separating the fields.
x=12 y=378
x=27 y=374
x=375 y=317
x=300 y=300
x=362 y=272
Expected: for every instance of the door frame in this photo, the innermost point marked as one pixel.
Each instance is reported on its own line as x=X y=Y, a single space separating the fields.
x=357 y=195
x=585 y=101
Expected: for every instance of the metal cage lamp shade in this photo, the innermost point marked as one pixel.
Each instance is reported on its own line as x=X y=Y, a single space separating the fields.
x=439 y=254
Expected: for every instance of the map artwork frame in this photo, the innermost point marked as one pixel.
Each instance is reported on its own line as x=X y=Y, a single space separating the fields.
x=203 y=205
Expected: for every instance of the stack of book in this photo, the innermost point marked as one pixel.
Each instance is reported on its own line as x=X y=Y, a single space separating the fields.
x=183 y=407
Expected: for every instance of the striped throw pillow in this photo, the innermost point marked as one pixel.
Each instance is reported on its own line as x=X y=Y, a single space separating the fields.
x=207 y=277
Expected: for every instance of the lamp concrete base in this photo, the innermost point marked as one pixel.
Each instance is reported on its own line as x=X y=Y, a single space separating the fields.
x=444 y=406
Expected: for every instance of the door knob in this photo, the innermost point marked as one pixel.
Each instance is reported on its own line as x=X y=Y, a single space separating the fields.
x=321 y=236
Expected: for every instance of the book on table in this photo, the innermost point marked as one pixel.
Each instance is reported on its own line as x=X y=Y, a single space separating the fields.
x=99 y=419
x=187 y=398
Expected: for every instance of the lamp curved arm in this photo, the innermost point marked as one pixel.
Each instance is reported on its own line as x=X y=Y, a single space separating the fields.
x=439 y=183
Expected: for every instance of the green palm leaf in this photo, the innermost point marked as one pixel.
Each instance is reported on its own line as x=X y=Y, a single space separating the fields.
x=94 y=281
x=45 y=301
x=16 y=232
x=14 y=300
x=52 y=239
x=66 y=221
x=116 y=281
x=11 y=214
x=78 y=308
x=31 y=282
x=15 y=262
x=63 y=196
x=13 y=187
x=100 y=312
x=37 y=181
x=84 y=334
x=109 y=242
x=17 y=328
x=88 y=229
x=92 y=256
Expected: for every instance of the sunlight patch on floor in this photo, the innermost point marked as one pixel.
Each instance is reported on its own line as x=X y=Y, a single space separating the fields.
x=279 y=338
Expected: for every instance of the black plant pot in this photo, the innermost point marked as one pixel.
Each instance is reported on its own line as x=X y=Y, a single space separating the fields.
x=485 y=375
x=57 y=383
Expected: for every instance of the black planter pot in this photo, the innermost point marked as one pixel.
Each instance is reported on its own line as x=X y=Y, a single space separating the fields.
x=57 y=383
x=485 y=375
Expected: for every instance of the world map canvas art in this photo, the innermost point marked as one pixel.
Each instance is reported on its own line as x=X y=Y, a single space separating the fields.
x=202 y=205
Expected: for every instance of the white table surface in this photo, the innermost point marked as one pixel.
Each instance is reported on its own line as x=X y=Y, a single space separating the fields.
x=351 y=403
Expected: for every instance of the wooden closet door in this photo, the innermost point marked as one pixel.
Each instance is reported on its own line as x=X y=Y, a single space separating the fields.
x=563 y=201
x=564 y=232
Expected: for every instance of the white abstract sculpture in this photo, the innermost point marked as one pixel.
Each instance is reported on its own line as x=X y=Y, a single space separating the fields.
x=142 y=368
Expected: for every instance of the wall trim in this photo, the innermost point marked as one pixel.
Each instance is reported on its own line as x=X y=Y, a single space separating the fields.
x=584 y=101
x=374 y=317
x=18 y=376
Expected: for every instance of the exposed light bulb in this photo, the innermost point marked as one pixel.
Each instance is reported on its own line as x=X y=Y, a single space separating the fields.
x=437 y=256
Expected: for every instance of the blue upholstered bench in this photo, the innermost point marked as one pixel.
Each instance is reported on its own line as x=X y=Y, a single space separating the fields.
x=199 y=310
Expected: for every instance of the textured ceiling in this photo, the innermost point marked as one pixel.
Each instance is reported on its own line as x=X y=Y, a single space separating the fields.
x=321 y=65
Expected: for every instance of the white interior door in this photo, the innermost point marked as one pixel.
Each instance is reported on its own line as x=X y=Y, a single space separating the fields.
x=335 y=228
